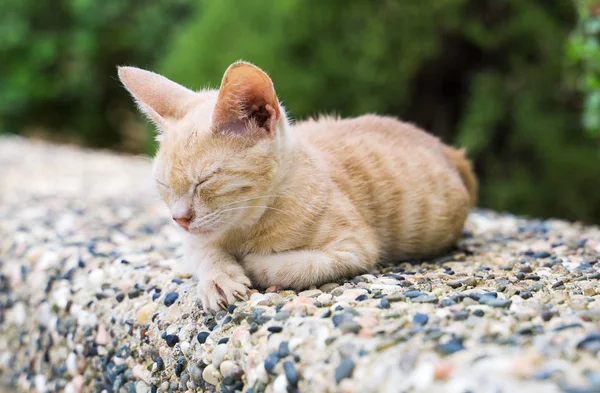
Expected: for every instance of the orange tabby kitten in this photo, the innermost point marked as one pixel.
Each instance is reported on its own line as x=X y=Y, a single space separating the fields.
x=266 y=202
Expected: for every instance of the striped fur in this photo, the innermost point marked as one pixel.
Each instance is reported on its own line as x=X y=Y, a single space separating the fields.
x=297 y=205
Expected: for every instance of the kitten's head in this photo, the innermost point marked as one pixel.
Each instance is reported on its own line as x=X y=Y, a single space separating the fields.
x=220 y=151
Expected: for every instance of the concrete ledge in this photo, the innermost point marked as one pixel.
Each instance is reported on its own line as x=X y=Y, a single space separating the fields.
x=90 y=301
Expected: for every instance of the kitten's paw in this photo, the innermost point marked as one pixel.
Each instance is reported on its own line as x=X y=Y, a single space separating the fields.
x=220 y=288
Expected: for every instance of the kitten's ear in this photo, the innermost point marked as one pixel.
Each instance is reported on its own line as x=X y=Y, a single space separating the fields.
x=246 y=100
x=156 y=96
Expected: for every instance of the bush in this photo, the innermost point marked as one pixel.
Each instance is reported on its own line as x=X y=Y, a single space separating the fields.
x=58 y=68
x=584 y=53
x=486 y=74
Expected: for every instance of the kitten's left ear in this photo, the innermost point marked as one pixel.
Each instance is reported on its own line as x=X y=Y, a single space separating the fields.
x=246 y=100
x=161 y=99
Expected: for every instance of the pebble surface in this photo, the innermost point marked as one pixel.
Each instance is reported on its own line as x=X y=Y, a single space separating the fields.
x=91 y=301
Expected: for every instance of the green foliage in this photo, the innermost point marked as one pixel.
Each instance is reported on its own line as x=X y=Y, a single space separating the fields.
x=347 y=57
x=485 y=74
x=58 y=68
x=509 y=79
x=584 y=52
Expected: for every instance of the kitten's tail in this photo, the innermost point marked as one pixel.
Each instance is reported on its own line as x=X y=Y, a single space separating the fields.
x=465 y=170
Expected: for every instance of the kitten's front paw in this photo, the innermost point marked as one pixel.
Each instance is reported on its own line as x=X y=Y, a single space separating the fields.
x=218 y=289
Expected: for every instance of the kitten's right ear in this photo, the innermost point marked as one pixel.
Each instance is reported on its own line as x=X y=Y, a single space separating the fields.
x=246 y=98
x=161 y=99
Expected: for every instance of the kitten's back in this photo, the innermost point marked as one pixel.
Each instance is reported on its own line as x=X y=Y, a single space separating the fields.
x=411 y=188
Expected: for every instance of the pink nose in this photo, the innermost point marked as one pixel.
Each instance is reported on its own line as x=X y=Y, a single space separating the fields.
x=183 y=222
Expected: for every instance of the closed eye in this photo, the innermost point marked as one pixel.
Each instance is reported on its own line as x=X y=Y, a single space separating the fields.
x=205 y=179
x=201 y=182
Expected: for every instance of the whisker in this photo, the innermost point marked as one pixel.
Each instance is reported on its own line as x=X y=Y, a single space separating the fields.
x=248 y=207
x=208 y=220
x=259 y=197
x=209 y=215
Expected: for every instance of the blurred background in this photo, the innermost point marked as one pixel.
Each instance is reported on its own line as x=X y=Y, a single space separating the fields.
x=515 y=81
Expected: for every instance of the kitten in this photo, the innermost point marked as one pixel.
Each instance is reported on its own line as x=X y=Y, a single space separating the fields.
x=262 y=201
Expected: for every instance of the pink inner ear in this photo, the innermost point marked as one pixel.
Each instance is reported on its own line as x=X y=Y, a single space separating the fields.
x=246 y=99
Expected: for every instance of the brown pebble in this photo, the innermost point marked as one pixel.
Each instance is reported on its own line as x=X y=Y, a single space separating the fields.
x=547 y=315
x=442 y=371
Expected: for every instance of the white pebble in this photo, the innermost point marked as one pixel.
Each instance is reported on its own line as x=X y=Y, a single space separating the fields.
x=44 y=314
x=96 y=277
x=227 y=367
x=49 y=259
x=71 y=262
x=324 y=298
x=18 y=313
x=387 y=281
x=352 y=294
x=140 y=372
x=141 y=387
x=61 y=297
x=280 y=384
x=79 y=349
x=211 y=375
x=261 y=373
x=257 y=298
x=385 y=288
x=218 y=354
x=86 y=319
x=423 y=376
x=310 y=293
x=72 y=363
x=295 y=343
x=257 y=374
x=40 y=383
x=185 y=346
x=275 y=298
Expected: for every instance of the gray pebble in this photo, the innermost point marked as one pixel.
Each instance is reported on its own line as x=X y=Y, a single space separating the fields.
x=384 y=303
x=195 y=373
x=344 y=370
x=590 y=343
x=282 y=315
x=453 y=345
x=290 y=373
x=284 y=349
x=425 y=299
x=495 y=302
x=270 y=363
x=349 y=327
x=455 y=284
x=414 y=294
x=420 y=319
x=461 y=315
x=339 y=318
x=447 y=302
